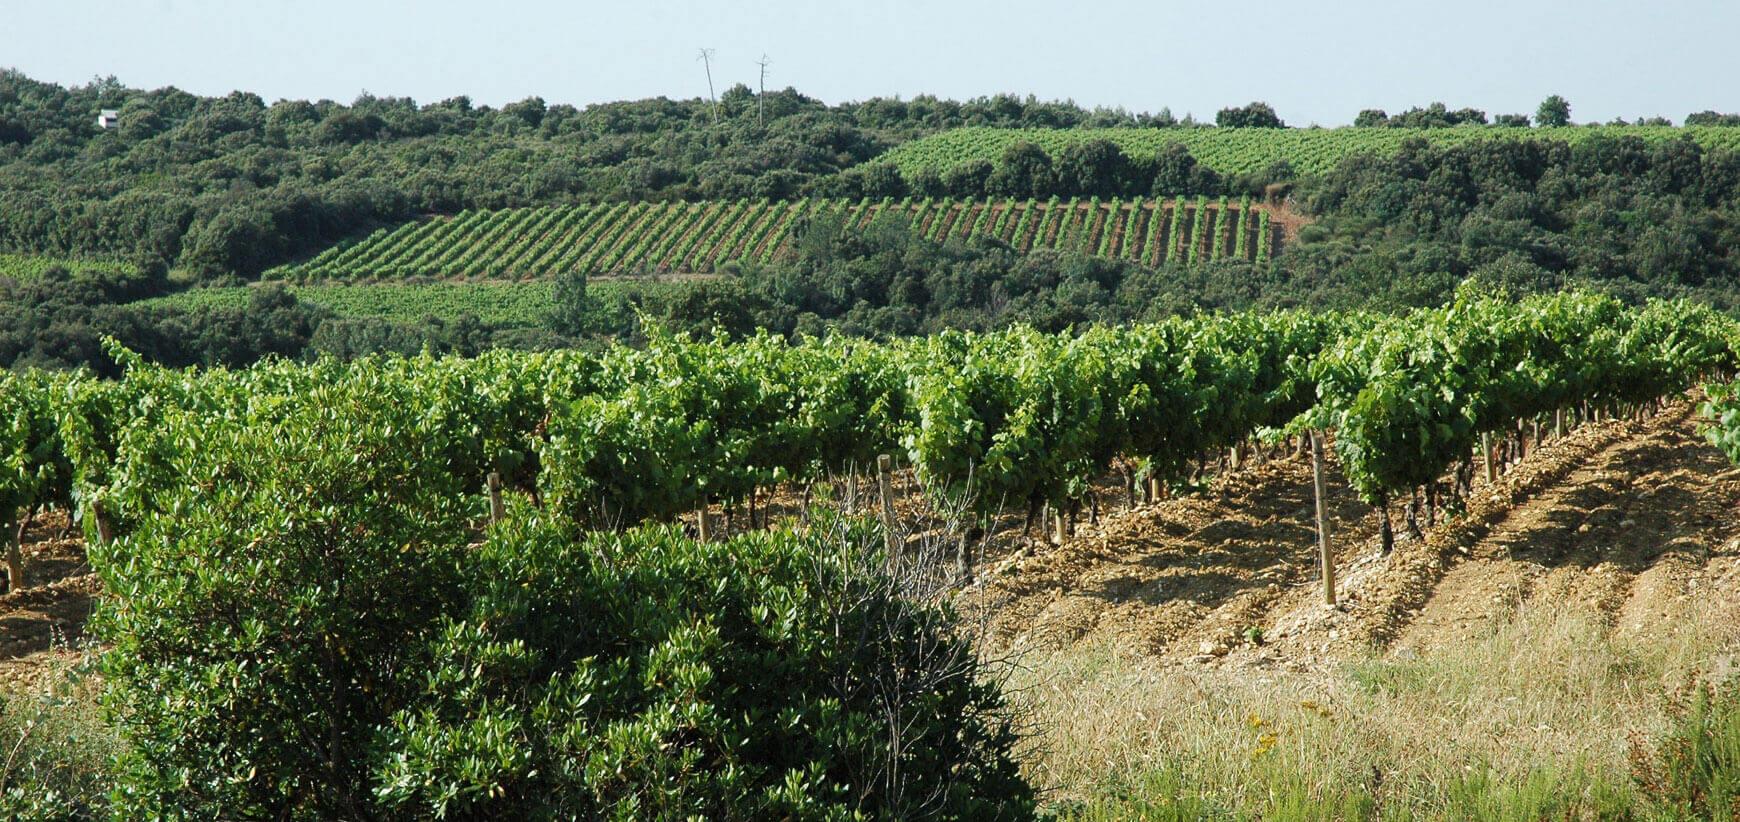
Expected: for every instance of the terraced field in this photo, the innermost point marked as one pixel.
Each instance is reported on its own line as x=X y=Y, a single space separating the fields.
x=687 y=238
x=1249 y=150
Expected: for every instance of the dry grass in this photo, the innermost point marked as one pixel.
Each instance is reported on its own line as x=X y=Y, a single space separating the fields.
x=1527 y=722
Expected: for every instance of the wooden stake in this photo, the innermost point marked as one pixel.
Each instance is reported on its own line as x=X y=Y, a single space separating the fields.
x=14 y=556
x=1324 y=560
x=885 y=485
x=1486 y=457
x=496 y=512
x=703 y=529
x=105 y=532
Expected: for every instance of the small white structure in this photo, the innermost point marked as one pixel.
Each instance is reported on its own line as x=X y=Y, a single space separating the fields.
x=108 y=118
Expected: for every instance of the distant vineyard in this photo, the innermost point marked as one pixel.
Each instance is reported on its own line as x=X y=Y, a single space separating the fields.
x=1247 y=150
x=32 y=266
x=647 y=238
x=493 y=303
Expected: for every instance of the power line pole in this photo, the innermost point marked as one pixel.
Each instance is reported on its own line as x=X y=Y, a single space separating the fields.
x=761 y=95
x=706 y=59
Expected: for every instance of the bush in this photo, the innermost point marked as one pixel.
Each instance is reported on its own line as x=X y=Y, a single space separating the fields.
x=266 y=617
x=300 y=628
x=644 y=675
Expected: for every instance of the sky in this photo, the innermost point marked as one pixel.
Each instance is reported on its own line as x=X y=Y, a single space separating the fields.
x=1318 y=62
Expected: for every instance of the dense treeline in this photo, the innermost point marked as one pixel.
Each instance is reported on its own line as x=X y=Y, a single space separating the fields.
x=1618 y=214
x=230 y=185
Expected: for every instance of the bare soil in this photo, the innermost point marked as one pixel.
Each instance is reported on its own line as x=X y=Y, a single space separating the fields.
x=46 y=620
x=1636 y=519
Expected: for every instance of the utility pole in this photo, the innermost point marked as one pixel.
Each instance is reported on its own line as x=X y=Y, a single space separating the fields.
x=761 y=94
x=706 y=59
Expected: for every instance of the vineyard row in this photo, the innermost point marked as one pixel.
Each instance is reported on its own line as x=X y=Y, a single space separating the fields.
x=681 y=237
x=995 y=421
x=1235 y=151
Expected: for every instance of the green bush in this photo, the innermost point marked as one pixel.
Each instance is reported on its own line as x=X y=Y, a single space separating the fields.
x=267 y=615
x=644 y=675
x=305 y=625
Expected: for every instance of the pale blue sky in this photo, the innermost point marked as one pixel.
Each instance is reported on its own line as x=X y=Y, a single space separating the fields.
x=1315 y=62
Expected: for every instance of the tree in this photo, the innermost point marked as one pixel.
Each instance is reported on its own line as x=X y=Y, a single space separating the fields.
x=1511 y=120
x=1094 y=167
x=1024 y=171
x=570 y=305
x=967 y=179
x=1177 y=174
x=1712 y=118
x=1253 y=115
x=1554 y=111
x=1371 y=118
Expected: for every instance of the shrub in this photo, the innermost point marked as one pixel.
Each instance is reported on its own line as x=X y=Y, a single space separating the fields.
x=266 y=614
x=301 y=629
x=644 y=675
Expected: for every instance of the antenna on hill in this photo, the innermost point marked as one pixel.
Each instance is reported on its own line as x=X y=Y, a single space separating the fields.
x=761 y=94
x=706 y=59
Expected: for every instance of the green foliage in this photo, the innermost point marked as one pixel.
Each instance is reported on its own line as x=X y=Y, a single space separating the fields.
x=60 y=749
x=269 y=605
x=1236 y=151
x=571 y=307
x=1410 y=396
x=302 y=628
x=1721 y=412
x=1554 y=112
x=625 y=676
x=1252 y=115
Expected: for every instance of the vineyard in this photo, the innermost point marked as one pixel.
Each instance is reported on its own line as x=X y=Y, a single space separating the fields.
x=990 y=421
x=434 y=540
x=31 y=266
x=493 y=303
x=1234 y=151
x=689 y=238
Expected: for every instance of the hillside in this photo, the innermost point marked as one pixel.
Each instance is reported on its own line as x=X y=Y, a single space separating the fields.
x=1236 y=151
x=691 y=238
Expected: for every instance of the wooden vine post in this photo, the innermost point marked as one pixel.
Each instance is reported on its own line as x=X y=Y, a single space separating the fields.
x=15 y=551
x=885 y=489
x=1324 y=560
x=105 y=533
x=703 y=531
x=496 y=512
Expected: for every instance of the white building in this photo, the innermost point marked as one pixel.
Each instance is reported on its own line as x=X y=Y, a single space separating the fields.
x=108 y=118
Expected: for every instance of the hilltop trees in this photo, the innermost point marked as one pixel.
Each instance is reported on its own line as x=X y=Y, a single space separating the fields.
x=1554 y=111
x=1253 y=115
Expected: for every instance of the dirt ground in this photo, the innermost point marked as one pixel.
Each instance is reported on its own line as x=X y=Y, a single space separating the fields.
x=46 y=621
x=1636 y=519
